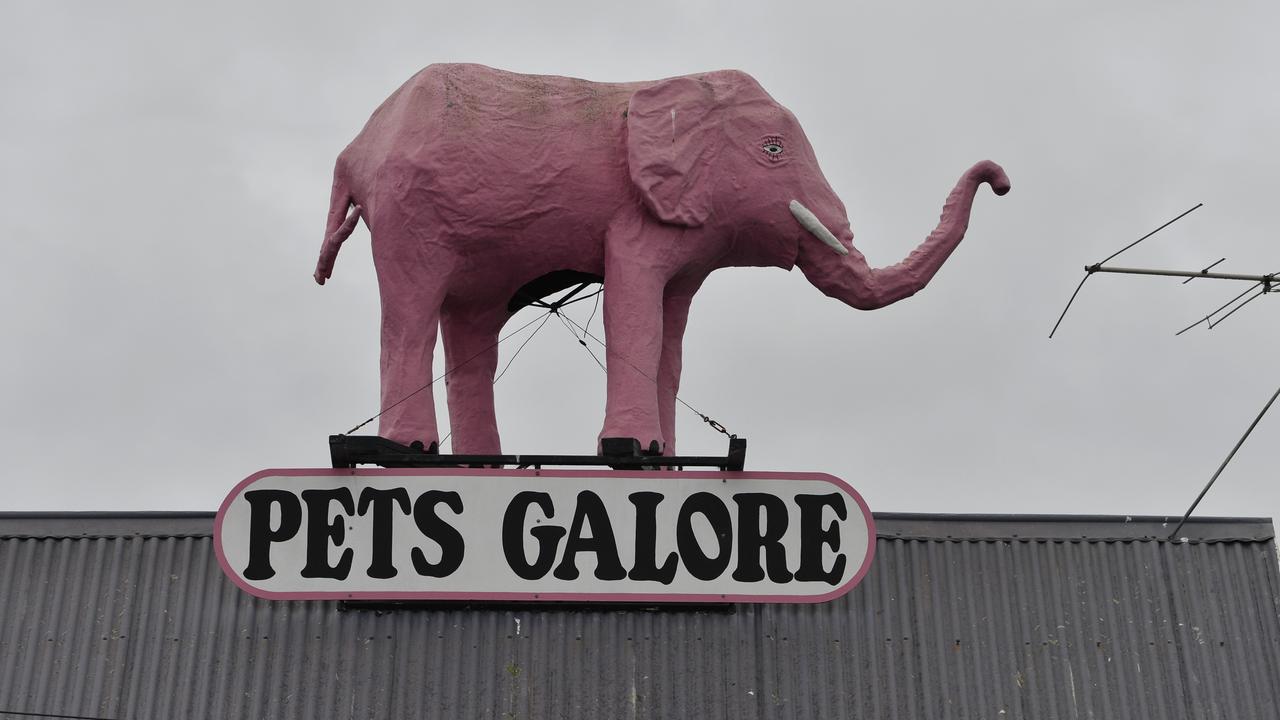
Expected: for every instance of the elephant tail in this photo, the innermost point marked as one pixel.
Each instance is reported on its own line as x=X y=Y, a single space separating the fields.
x=339 y=226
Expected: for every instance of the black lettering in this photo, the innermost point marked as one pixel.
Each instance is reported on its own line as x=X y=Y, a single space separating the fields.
x=320 y=532
x=645 y=566
x=696 y=561
x=435 y=528
x=813 y=536
x=548 y=537
x=260 y=533
x=601 y=542
x=382 y=565
x=752 y=538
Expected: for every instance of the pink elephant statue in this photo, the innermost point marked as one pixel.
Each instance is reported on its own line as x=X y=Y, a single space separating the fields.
x=478 y=185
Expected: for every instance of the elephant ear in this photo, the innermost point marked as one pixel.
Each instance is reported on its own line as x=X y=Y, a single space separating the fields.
x=672 y=136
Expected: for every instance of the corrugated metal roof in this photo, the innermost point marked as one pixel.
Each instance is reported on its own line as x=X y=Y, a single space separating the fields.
x=128 y=616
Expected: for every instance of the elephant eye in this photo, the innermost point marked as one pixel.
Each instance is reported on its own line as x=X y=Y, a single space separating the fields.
x=772 y=146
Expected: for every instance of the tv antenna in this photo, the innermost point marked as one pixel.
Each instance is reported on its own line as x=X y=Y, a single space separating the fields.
x=1260 y=285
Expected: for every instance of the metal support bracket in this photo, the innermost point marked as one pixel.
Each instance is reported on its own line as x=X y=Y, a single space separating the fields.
x=349 y=451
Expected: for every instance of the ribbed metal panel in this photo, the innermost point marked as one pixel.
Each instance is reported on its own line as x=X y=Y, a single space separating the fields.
x=130 y=617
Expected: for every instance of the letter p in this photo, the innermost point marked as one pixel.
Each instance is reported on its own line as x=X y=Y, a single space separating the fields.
x=261 y=535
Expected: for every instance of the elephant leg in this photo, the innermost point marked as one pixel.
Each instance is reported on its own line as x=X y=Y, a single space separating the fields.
x=412 y=289
x=471 y=357
x=633 y=331
x=675 y=315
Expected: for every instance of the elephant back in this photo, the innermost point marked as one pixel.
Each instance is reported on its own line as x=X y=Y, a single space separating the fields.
x=482 y=146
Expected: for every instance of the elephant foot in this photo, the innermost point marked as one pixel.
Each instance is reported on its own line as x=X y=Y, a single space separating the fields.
x=412 y=440
x=627 y=447
x=630 y=436
x=433 y=449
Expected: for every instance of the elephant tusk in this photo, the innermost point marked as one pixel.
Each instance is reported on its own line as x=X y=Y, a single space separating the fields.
x=815 y=226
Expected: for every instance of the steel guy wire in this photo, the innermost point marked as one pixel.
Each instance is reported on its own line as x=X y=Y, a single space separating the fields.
x=582 y=342
x=595 y=294
x=593 y=311
x=567 y=321
x=706 y=419
x=516 y=354
x=1223 y=466
x=446 y=373
x=508 y=365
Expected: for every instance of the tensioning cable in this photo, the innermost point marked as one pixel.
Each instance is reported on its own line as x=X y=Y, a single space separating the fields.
x=446 y=373
x=586 y=333
x=506 y=367
x=553 y=308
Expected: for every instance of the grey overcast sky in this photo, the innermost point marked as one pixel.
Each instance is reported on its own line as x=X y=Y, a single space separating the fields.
x=165 y=172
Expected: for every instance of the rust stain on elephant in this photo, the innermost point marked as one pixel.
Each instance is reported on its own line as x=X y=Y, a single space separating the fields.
x=460 y=105
x=533 y=97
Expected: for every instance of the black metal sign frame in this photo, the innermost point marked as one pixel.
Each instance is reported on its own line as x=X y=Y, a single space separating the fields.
x=349 y=451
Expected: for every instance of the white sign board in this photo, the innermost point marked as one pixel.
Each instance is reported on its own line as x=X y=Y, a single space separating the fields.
x=570 y=535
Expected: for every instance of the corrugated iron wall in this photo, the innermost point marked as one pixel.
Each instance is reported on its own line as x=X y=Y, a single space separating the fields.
x=144 y=625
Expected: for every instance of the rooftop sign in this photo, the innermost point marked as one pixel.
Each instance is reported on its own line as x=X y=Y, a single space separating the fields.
x=575 y=535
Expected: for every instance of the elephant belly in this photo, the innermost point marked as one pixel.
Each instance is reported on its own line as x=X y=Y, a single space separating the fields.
x=513 y=276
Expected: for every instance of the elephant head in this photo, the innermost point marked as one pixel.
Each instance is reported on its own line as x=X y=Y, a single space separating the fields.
x=717 y=152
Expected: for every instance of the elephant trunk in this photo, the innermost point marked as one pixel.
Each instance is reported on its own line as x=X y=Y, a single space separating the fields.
x=850 y=280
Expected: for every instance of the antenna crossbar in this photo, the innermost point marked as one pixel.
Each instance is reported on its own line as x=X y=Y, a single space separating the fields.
x=1270 y=278
x=1206 y=269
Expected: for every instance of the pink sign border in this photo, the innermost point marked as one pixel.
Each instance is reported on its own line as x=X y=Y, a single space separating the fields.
x=544 y=597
